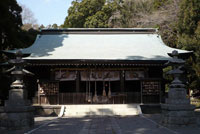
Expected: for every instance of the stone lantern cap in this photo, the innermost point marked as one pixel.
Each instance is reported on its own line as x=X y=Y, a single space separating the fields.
x=175 y=59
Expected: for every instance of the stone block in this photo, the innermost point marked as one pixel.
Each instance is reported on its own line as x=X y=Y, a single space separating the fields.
x=178 y=115
x=178 y=101
x=52 y=110
x=17 y=121
x=20 y=118
x=177 y=93
x=171 y=107
x=181 y=113
x=17 y=94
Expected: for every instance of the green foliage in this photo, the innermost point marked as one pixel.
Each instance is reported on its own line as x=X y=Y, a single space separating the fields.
x=28 y=37
x=167 y=77
x=54 y=26
x=41 y=26
x=189 y=16
x=188 y=29
x=90 y=13
x=100 y=19
x=159 y=3
x=10 y=24
x=127 y=11
x=11 y=34
x=80 y=11
x=131 y=11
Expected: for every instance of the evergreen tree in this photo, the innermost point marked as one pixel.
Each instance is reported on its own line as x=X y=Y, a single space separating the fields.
x=55 y=26
x=10 y=24
x=90 y=13
x=41 y=26
x=189 y=17
x=188 y=29
x=11 y=34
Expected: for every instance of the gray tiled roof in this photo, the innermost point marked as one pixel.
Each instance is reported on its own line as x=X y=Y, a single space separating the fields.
x=100 y=44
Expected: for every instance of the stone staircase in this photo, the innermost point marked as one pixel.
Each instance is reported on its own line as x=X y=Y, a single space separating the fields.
x=100 y=110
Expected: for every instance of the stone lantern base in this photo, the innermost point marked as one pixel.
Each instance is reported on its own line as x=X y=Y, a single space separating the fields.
x=17 y=112
x=17 y=118
x=178 y=115
x=178 y=112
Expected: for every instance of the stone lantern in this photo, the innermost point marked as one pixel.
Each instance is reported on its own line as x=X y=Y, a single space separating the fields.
x=18 y=112
x=177 y=110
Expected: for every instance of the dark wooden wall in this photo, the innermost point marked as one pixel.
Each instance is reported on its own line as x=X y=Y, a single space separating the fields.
x=122 y=91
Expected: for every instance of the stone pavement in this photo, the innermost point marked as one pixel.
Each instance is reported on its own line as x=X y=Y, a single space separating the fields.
x=143 y=124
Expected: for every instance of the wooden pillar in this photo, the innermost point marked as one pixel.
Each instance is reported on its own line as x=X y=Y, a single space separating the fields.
x=141 y=92
x=122 y=81
x=58 y=94
x=77 y=81
x=52 y=74
x=160 y=96
x=39 y=101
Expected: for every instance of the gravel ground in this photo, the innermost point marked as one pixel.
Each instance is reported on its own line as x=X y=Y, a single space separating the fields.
x=140 y=125
x=187 y=130
x=143 y=124
x=38 y=122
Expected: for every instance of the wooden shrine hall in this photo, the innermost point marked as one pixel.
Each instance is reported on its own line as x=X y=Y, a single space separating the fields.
x=92 y=66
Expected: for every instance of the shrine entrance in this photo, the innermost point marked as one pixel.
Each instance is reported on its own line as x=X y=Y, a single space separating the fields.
x=99 y=85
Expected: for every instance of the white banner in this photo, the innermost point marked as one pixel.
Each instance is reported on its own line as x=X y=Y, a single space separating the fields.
x=65 y=75
x=134 y=75
x=100 y=76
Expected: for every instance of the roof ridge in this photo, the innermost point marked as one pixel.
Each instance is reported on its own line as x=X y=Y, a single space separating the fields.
x=100 y=30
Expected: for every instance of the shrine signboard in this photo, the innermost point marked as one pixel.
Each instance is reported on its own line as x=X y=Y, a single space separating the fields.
x=150 y=87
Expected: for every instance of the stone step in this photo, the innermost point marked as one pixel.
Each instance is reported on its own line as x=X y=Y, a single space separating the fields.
x=102 y=109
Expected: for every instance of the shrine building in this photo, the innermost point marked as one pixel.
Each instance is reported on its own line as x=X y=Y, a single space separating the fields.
x=93 y=66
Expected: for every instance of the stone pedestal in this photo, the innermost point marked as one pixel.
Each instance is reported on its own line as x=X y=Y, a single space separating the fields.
x=17 y=117
x=177 y=112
